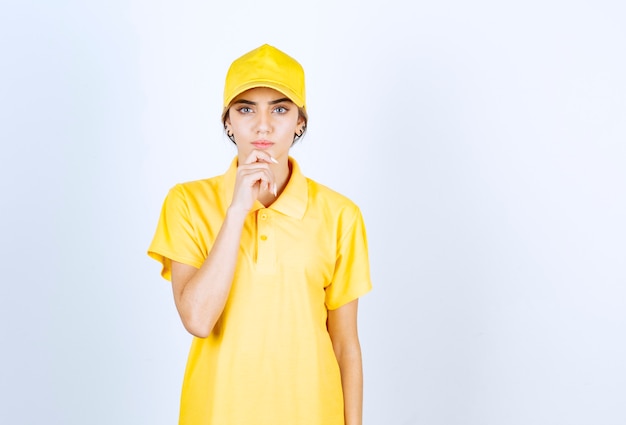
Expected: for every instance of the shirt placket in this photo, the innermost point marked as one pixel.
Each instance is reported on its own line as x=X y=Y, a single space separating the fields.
x=266 y=242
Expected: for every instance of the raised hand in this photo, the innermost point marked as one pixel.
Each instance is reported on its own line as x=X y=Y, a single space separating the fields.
x=253 y=176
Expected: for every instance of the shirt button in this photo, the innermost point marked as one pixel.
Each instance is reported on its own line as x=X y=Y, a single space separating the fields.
x=263 y=237
x=263 y=216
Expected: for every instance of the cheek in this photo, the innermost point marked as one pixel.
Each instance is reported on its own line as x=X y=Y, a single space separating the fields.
x=290 y=125
x=238 y=126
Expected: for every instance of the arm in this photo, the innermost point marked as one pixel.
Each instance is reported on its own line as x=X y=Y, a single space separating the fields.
x=201 y=294
x=342 y=327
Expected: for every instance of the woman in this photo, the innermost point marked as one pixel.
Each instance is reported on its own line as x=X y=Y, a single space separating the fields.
x=266 y=267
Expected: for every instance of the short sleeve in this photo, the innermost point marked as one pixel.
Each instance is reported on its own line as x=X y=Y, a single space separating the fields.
x=351 y=277
x=175 y=237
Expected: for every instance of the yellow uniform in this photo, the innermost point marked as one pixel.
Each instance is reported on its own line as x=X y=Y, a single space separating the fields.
x=269 y=359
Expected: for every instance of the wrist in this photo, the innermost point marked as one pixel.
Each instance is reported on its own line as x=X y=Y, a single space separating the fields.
x=236 y=214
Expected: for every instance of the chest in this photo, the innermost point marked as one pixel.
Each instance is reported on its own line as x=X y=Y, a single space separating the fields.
x=272 y=241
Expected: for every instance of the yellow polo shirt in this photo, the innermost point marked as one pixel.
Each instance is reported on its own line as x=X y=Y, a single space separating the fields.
x=269 y=360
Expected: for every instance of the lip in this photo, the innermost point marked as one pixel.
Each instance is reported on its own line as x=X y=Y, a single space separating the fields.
x=262 y=144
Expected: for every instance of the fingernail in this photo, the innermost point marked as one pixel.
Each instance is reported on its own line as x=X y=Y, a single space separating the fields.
x=273 y=160
x=275 y=190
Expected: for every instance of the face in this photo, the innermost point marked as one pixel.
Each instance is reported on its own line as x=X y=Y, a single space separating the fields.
x=265 y=119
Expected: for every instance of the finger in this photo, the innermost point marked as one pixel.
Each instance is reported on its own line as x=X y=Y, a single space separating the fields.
x=263 y=176
x=257 y=167
x=261 y=165
x=258 y=155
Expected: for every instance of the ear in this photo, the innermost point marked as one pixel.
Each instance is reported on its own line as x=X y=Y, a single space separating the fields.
x=228 y=128
x=301 y=124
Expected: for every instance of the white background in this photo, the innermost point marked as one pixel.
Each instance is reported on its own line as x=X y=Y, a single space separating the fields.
x=485 y=142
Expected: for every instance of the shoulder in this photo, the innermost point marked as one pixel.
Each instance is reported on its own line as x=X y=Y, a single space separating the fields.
x=198 y=188
x=195 y=186
x=322 y=196
x=197 y=196
x=322 y=192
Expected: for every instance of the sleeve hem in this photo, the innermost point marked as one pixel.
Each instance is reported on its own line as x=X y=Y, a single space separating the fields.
x=160 y=255
x=349 y=297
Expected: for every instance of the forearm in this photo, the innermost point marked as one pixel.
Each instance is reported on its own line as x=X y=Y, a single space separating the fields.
x=350 y=364
x=204 y=295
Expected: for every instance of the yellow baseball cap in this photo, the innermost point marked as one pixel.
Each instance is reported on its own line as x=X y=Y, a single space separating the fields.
x=265 y=66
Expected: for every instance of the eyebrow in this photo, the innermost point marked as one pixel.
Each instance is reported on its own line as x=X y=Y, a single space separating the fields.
x=272 y=102
x=284 y=99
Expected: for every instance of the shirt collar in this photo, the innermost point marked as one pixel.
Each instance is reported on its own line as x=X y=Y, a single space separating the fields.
x=292 y=201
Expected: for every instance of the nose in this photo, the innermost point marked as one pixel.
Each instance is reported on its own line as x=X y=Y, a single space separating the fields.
x=263 y=124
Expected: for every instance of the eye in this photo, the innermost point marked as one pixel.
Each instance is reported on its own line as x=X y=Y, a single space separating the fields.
x=244 y=110
x=280 y=109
